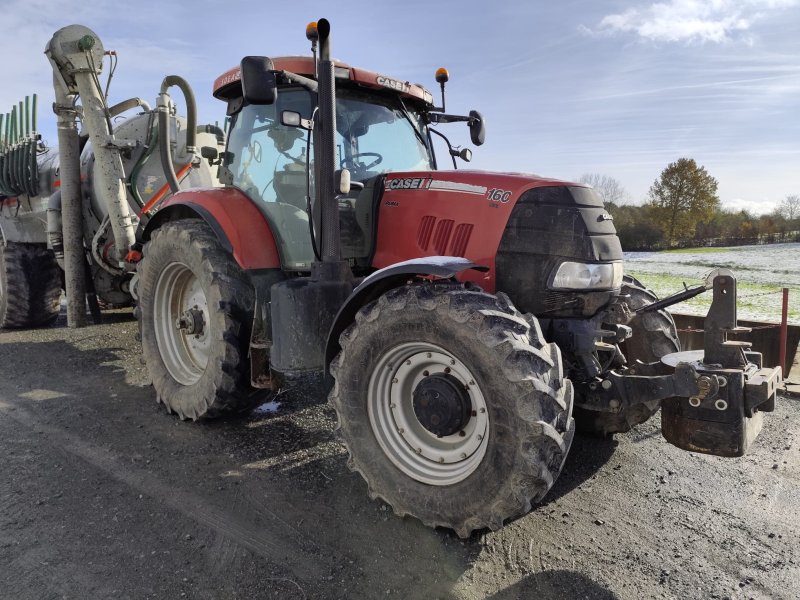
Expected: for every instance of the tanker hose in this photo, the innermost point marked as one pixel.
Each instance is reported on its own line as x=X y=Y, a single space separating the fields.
x=165 y=148
x=120 y=108
x=213 y=129
x=191 y=107
x=55 y=234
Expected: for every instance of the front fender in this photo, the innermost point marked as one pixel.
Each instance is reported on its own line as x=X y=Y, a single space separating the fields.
x=241 y=227
x=383 y=280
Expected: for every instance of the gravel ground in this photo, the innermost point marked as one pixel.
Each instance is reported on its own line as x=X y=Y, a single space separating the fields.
x=102 y=494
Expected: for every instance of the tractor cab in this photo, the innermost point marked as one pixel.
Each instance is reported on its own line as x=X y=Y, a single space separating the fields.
x=378 y=131
x=381 y=127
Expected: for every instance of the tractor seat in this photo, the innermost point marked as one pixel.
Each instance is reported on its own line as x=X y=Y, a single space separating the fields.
x=290 y=185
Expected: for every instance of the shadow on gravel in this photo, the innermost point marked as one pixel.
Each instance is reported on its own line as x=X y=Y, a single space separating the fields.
x=267 y=495
x=587 y=455
x=555 y=585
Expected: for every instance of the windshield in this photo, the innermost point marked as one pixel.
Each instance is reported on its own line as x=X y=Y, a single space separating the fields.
x=267 y=161
x=377 y=135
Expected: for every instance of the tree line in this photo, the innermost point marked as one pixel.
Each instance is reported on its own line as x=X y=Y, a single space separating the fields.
x=683 y=210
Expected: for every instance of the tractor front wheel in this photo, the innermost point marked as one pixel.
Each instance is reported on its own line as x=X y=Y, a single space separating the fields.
x=195 y=311
x=654 y=335
x=452 y=407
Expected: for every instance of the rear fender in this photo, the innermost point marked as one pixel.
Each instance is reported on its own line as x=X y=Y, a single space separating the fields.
x=240 y=226
x=383 y=280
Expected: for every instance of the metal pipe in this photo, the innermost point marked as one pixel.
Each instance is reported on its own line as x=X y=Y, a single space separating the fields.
x=326 y=128
x=27 y=116
x=71 y=213
x=109 y=172
x=76 y=54
x=35 y=97
x=784 y=332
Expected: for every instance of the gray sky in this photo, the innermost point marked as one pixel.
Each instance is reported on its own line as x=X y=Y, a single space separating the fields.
x=616 y=87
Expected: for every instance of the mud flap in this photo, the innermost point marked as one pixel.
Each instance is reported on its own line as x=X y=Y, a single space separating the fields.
x=726 y=414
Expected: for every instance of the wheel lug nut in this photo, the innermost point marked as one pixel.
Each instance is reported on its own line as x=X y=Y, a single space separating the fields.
x=441 y=459
x=452 y=361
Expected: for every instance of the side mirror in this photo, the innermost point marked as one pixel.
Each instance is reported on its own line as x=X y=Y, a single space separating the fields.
x=210 y=154
x=477 y=128
x=259 y=85
x=290 y=118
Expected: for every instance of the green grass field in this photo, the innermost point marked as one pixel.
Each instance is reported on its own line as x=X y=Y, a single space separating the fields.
x=761 y=272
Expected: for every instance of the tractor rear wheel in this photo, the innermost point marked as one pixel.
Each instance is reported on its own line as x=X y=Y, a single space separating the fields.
x=195 y=311
x=654 y=335
x=452 y=407
x=30 y=285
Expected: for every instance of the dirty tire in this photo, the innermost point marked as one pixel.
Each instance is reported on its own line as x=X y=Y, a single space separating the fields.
x=208 y=376
x=30 y=286
x=654 y=335
x=524 y=402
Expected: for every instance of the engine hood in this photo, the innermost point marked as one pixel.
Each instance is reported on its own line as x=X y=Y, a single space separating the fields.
x=472 y=182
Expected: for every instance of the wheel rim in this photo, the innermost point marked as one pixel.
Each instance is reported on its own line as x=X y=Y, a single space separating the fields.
x=180 y=300
x=412 y=448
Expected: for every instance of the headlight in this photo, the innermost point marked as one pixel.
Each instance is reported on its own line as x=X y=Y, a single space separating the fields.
x=587 y=276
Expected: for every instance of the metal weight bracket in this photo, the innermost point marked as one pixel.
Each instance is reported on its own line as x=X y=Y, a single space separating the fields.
x=733 y=390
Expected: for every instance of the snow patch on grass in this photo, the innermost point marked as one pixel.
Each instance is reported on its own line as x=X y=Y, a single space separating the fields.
x=761 y=273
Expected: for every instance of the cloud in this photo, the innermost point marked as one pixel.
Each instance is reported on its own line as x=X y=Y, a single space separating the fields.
x=712 y=21
x=760 y=206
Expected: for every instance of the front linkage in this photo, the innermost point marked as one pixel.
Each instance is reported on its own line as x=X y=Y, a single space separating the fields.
x=712 y=399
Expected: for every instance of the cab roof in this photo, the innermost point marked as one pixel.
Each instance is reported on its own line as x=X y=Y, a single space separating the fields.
x=228 y=87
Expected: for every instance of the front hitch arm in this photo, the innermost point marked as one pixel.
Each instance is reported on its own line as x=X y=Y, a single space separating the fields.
x=713 y=399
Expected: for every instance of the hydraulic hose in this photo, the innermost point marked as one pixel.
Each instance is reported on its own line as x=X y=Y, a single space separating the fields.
x=165 y=148
x=191 y=106
x=120 y=108
x=163 y=106
x=55 y=235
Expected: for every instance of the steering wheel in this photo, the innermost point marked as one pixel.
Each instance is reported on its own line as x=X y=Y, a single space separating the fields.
x=255 y=150
x=354 y=164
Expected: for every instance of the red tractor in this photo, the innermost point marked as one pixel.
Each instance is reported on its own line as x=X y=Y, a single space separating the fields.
x=468 y=319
